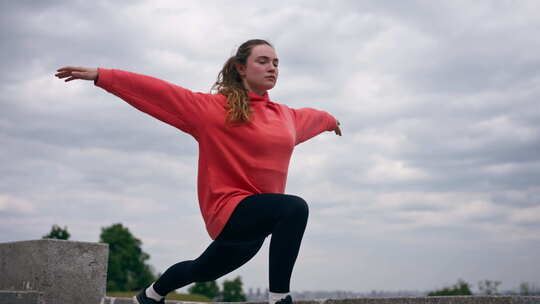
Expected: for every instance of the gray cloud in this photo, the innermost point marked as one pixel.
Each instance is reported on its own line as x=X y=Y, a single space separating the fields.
x=436 y=174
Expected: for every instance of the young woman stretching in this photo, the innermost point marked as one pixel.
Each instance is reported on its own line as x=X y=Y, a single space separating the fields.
x=245 y=144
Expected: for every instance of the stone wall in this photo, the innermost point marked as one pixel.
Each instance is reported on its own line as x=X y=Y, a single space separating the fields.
x=397 y=300
x=57 y=271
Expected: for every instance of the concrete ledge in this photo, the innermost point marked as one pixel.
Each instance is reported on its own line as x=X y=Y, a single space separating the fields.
x=63 y=271
x=441 y=300
x=382 y=300
x=21 y=297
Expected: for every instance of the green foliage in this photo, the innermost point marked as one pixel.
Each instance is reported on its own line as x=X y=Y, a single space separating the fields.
x=528 y=289
x=488 y=287
x=58 y=233
x=207 y=289
x=232 y=291
x=524 y=289
x=126 y=269
x=460 y=288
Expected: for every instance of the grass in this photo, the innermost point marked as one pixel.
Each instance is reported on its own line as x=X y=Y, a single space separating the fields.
x=172 y=296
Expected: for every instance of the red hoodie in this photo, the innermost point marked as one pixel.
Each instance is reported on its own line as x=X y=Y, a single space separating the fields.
x=235 y=161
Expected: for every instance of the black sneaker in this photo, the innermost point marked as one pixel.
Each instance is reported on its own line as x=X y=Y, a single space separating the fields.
x=286 y=300
x=141 y=298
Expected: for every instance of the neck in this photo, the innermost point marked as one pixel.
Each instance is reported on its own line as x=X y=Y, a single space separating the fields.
x=258 y=92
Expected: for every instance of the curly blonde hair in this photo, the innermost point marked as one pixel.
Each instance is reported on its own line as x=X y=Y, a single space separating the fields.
x=229 y=83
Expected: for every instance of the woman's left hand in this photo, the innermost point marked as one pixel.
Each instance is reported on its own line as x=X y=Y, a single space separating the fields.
x=337 y=129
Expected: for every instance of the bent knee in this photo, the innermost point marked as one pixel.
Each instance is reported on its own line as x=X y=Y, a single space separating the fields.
x=299 y=206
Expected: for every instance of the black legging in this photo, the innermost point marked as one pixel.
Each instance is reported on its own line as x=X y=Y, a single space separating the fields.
x=257 y=216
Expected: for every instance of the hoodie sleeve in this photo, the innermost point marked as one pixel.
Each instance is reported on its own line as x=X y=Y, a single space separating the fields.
x=167 y=102
x=310 y=122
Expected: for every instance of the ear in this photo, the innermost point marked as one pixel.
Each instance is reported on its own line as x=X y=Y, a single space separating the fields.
x=241 y=69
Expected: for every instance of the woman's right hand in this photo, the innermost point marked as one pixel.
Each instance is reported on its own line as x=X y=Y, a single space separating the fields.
x=72 y=73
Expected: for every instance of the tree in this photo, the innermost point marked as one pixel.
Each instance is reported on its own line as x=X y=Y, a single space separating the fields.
x=58 y=233
x=488 y=287
x=524 y=289
x=127 y=270
x=208 y=289
x=460 y=288
x=528 y=289
x=232 y=291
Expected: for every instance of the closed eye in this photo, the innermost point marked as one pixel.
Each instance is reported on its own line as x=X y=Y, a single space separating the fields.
x=265 y=60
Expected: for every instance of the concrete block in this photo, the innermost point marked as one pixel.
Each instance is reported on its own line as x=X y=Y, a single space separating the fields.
x=382 y=300
x=63 y=271
x=21 y=297
x=441 y=300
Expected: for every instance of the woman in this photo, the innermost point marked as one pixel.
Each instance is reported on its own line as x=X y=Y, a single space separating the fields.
x=245 y=144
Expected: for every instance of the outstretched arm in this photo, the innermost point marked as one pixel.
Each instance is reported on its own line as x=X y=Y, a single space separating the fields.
x=165 y=101
x=72 y=73
x=310 y=122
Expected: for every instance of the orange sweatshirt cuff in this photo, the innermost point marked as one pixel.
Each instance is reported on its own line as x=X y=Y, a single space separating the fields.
x=332 y=123
x=104 y=78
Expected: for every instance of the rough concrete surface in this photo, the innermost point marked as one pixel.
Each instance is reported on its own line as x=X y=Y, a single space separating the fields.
x=441 y=300
x=396 y=300
x=21 y=297
x=64 y=271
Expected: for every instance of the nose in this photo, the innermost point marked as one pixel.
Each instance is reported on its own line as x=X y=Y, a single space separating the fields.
x=272 y=68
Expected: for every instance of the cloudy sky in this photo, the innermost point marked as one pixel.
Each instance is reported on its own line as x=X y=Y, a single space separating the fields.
x=436 y=177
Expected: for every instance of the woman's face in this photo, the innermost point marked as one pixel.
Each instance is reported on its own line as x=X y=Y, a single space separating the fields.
x=260 y=72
